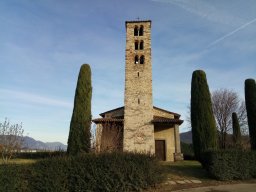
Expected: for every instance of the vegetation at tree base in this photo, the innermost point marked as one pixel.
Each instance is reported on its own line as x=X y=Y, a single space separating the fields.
x=79 y=133
x=236 y=131
x=187 y=151
x=11 y=139
x=250 y=101
x=40 y=155
x=202 y=119
x=86 y=172
x=224 y=103
x=230 y=164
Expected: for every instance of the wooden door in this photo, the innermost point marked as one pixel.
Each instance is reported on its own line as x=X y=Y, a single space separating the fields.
x=160 y=150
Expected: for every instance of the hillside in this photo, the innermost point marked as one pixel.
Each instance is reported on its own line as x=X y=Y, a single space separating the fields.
x=186 y=137
x=30 y=143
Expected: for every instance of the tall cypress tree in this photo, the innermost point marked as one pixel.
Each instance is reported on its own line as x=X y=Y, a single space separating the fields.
x=236 y=130
x=202 y=119
x=80 y=125
x=250 y=102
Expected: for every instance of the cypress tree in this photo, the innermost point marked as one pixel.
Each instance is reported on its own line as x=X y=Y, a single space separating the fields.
x=250 y=102
x=236 y=131
x=80 y=125
x=202 y=119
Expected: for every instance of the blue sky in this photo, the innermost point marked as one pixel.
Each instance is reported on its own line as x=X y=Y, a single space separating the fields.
x=43 y=43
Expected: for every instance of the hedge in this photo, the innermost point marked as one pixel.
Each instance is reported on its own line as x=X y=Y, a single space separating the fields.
x=40 y=155
x=230 y=164
x=187 y=150
x=104 y=172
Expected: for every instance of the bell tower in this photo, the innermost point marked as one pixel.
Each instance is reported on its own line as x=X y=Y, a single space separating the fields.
x=138 y=112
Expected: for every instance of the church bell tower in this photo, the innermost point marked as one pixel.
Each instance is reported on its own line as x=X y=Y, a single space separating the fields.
x=138 y=112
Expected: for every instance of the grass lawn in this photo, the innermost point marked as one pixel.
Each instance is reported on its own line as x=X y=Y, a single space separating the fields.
x=182 y=170
x=20 y=161
x=188 y=170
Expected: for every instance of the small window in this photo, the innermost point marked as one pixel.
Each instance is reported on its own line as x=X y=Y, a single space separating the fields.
x=136 y=59
x=138 y=74
x=142 y=59
x=138 y=101
x=136 y=45
x=136 y=31
x=141 y=31
x=141 y=45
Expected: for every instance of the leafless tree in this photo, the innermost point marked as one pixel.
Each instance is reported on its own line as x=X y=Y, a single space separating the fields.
x=224 y=103
x=108 y=137
x=11 y=139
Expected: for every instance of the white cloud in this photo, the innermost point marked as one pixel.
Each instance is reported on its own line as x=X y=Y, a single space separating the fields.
x=206 y=10
x=28 y=97
x=231 y=33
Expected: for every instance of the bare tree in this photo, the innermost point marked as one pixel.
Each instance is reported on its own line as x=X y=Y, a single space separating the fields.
x=11 y=139
x=225 y=102
x=108 y=137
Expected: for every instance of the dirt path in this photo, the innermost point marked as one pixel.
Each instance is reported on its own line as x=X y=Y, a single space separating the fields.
x=245 y=187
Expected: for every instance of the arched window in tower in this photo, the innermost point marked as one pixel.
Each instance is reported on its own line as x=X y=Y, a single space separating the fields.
x=141 y=45
x=141 y=31
x=136 y=45
x=136 y=59
x=136 y=31
x=142 y=58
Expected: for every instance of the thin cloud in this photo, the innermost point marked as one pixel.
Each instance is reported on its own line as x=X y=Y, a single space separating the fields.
x=231 y=33
x=206 y=10
x=32 y=98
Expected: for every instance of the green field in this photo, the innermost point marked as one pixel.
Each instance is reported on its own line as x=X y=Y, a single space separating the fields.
x=19 y=161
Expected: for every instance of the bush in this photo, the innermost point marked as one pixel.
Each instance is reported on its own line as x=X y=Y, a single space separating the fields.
x=40 y=155
x=14 y=177
x=88 y=172
x=187 y=150
x=230 y=164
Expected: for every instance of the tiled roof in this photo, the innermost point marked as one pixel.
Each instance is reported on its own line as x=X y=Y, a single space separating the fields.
x=156 y=119
x=102 y=114
x=175 y=114
x=137 y=21
x=100 y=120
x=166 y=120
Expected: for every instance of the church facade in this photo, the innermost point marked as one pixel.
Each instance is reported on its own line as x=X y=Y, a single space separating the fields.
x=139 y=126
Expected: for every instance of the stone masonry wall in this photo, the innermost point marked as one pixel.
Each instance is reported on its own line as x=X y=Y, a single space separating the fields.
x=138 y=129
x=167 y=134
x=160 y=113
x=116 y=113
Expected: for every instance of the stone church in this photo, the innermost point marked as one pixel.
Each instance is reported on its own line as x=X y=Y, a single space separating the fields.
x=139 y=126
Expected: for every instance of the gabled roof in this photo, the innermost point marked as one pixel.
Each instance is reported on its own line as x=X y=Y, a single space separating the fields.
x=175 y=114
x=156 y=120
x=138 y=21
x=104 y=120
x=102 y=114
x=161 y=120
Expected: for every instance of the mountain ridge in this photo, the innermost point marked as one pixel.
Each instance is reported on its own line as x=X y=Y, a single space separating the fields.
x=31 y=143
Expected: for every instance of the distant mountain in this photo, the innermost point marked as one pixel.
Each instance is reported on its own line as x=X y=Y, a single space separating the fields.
x=186 y=137
x=30 y=143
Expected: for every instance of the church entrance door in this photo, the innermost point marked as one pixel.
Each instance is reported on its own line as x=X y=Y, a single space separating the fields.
x=160 y=150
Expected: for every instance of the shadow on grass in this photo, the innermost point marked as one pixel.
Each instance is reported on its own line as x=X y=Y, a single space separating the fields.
x=185 y=170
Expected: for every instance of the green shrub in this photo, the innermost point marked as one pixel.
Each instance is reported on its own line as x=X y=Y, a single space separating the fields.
x=50 y=175
x=88 y=172
x=14 y=177
x=40 y=155
x=187 y=150
x=230 y=164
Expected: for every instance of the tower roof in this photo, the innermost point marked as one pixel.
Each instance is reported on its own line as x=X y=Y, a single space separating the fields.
x=137 y=21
